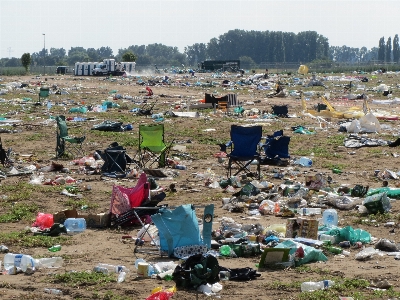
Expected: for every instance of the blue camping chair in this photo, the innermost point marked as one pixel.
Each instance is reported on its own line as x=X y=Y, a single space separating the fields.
x=275 y=148
x=244 y=149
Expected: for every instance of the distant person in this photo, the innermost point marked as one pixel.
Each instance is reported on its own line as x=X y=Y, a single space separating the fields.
x=266 y=75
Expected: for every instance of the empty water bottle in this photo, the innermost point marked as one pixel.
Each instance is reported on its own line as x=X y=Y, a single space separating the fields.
x=49 y=262
x=304 y=161
x=22 y=261
x=75 y=225
x=311 y=286
x=306 y=211
x=53 y=291
x=330 y=217
x=121 y=277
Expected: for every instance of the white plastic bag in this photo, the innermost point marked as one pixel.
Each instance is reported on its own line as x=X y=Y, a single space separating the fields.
x=369 y=123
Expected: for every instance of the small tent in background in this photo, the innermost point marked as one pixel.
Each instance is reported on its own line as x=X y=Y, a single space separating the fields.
x=303 y=69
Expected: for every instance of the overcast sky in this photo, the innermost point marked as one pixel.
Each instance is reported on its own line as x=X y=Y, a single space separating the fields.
x=119 y=24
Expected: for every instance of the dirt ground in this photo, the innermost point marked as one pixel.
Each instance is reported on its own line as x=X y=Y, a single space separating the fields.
x=36 y=136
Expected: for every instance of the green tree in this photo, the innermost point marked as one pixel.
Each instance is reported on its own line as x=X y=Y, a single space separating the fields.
x=396 y=49
x=128 y=56
x=381 y=50
x=26 y=60
x=388 y=50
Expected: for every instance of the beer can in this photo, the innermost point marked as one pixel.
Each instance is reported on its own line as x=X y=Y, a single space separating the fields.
x=344 y=244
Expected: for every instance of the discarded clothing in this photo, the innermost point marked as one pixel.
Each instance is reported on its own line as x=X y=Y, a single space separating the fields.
x=354 y=141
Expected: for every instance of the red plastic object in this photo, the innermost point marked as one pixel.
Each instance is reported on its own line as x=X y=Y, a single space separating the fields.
x=162 y=295
x=43 y=221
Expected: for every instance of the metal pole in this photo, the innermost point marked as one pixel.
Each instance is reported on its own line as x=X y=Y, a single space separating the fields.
x=44 y=53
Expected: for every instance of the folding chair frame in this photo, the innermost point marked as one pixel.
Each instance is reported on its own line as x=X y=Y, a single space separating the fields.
x=149 y=156
x=65 y=143
x=244 y=162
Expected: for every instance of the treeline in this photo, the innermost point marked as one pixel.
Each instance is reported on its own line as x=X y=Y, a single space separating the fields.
x=389 y=52
x=251 y=47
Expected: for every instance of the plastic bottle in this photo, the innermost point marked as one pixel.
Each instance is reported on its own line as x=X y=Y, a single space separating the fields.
x=311 y=286
x=330 y=217
x=3 y=249
x=110 y=268
x=49 y=262
x=327 y=237
x=55 y=248
x=75 y=225
x=121 y=277
x=180 y=167
x=22 y=261
x=304 y=161
x=53 y=291
x=309 y=211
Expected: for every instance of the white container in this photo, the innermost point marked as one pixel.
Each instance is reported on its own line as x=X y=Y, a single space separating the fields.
x=309 y=211
x=75 y=225
x=22 y=261
x=330 y=217
x=143 y=269
x=311 y=286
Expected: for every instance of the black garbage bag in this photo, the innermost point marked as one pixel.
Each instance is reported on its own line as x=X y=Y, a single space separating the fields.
x=109 y=126
x=241 y=274
x=197 y=270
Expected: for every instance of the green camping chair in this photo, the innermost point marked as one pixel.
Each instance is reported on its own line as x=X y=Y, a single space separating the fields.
x=152 y=147
x=67 y=144
x=44 y=92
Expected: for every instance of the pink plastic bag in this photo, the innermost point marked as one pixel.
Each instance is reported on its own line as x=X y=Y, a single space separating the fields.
x=43 y=221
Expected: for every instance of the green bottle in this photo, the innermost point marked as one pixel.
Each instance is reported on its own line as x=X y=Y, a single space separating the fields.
x=336 y=171
x=55 y=248
x=334 y=250
x=225 y=250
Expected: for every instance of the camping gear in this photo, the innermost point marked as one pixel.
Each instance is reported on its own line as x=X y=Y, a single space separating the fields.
x=44 y=92
x=65 y=143
x=244 y=141
x=276 y=147
x=115 y=160
x=152 y=147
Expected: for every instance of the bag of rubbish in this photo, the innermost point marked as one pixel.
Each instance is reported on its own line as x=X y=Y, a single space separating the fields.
x=43 y=221
x=310 y=253
x=377 y=203
x=350 y=234
x=369 y=123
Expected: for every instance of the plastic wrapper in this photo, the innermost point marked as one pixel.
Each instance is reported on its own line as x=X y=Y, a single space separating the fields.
x=366 y=253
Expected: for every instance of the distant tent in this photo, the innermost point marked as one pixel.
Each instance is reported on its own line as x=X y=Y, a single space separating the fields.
x=303 y=69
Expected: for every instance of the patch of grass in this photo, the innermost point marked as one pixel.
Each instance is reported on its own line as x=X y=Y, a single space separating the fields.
x=77 y=203
x=330 y=165
x=83 y=278
x=26 y=239
x=110 y=296
x=372 y=220
x=18 y=212
x=336 y=140
x=35 y=137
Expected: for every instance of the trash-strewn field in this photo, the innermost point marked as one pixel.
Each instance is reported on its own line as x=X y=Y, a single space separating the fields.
x=33 y=143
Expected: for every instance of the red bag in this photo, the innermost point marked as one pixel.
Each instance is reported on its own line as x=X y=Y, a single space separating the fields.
x=43 y=221
x=162 y=295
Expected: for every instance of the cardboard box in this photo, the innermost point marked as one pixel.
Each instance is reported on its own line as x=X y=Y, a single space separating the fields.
x=302 y=227
x=92 y=220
